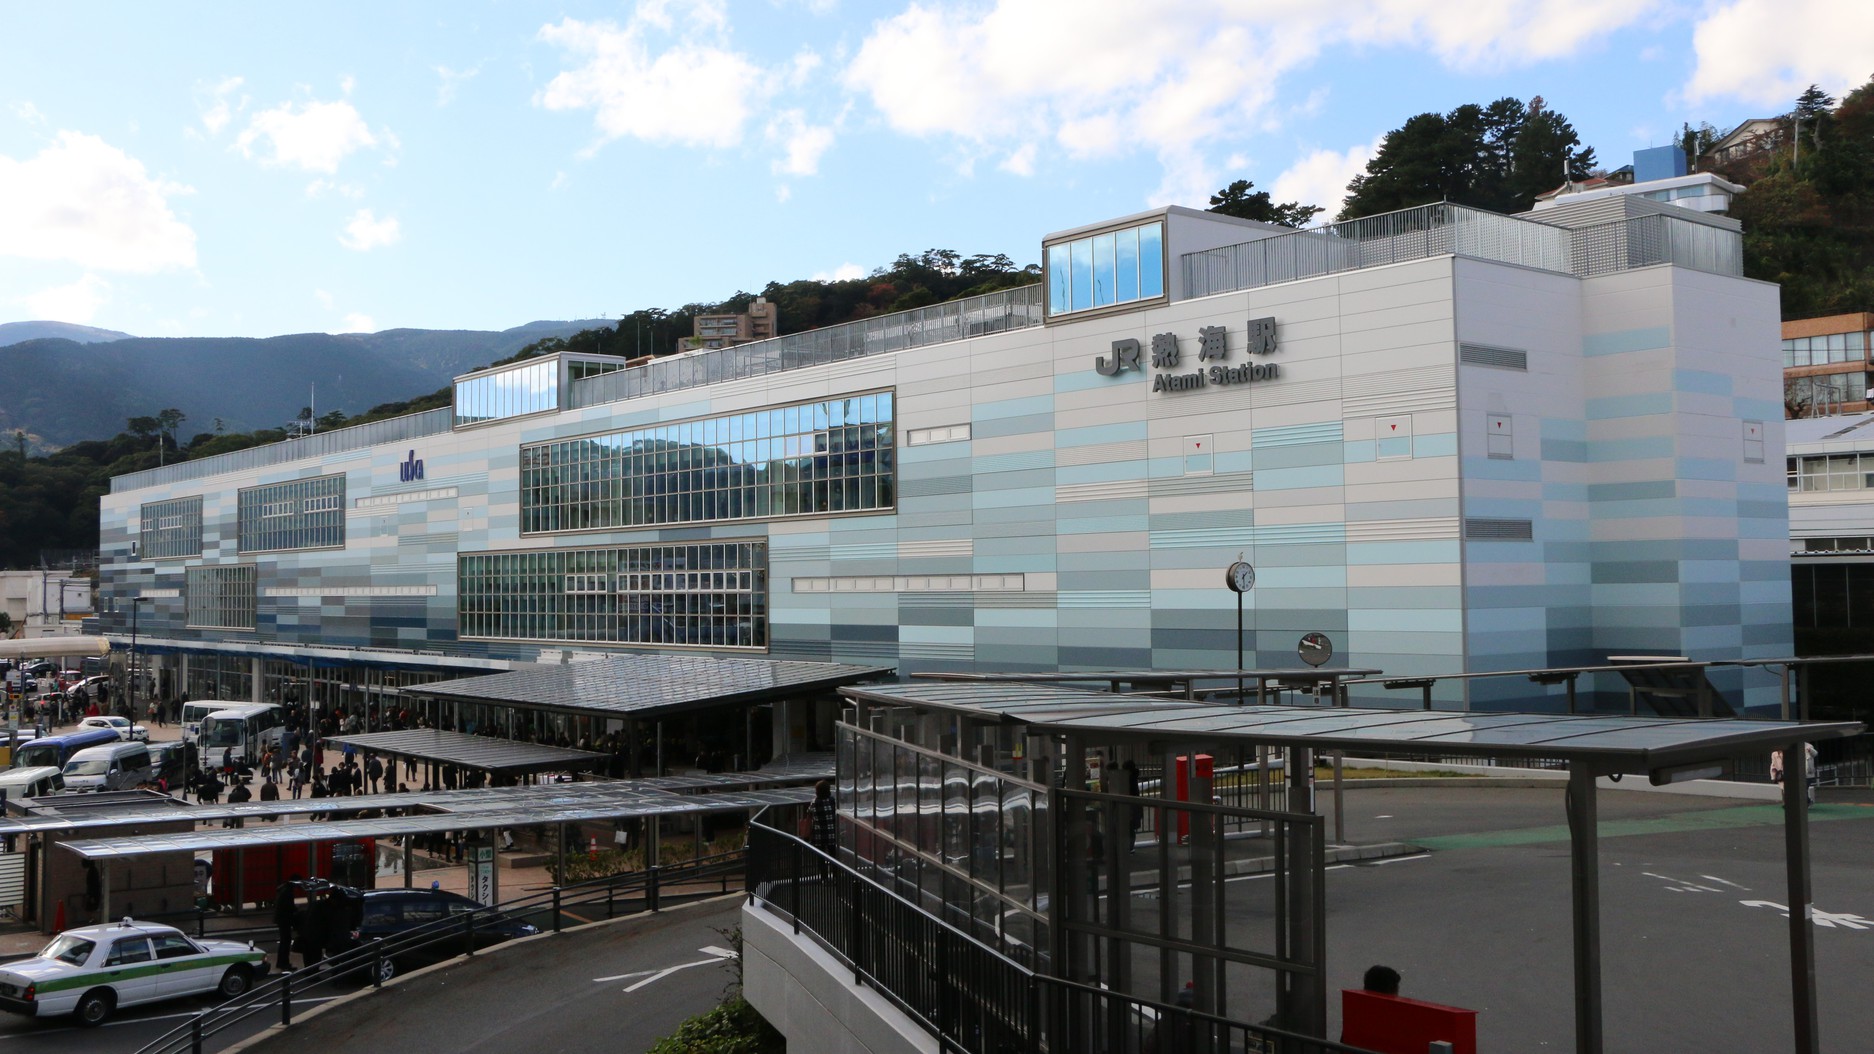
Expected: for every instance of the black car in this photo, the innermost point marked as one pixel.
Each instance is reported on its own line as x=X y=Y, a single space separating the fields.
x=392 y=915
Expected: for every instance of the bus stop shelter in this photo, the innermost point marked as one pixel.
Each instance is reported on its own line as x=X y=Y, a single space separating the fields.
x=1662 y=750
x=497 y=757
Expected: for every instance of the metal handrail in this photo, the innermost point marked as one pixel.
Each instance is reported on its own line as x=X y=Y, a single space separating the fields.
x=551 y=903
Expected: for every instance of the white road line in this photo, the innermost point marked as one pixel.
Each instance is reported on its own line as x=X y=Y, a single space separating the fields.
x=718 y=954
x=661 y=974
x=1401 y=859
x=1726 y=881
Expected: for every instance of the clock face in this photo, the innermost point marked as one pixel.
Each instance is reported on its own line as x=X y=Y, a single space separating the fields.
x=1315 y=649
x=1241 y=577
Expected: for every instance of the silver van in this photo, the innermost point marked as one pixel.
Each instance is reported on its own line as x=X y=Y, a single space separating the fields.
x=113 y=766
x=31 y=782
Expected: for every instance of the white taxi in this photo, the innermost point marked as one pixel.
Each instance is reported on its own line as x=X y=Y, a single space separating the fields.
x=92 y=970
x=120 y=725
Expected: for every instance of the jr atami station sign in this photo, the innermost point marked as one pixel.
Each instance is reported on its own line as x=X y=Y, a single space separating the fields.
x=1211 y=361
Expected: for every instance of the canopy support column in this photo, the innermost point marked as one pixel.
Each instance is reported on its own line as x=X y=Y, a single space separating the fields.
x=1584 y=839
x=1805 y=1039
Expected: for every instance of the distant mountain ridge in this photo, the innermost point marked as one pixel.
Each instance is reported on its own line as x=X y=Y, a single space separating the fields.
x=62 y=390
x=21 y=332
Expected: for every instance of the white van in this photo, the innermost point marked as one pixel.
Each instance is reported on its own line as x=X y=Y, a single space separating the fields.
x=107 y=768
x=31 y=782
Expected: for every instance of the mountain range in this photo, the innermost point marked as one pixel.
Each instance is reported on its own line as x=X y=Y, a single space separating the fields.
x=68 y=383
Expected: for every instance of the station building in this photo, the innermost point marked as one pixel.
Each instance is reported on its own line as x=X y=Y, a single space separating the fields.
x=1449 y=440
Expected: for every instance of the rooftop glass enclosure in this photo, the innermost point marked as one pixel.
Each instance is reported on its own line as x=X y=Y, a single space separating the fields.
x=531 y=387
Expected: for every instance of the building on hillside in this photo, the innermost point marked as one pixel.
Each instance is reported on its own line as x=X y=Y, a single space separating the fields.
x=762 y=321
x=1755 y=136
x=1658 y=175
x=1448 y=439
x=1826 y=363
x=44 y=603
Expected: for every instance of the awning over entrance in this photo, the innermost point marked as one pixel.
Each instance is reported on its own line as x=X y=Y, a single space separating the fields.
x=475 y=752
x=649 y=686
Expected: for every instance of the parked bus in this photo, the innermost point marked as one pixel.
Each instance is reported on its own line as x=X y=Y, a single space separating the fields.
x=241 y=732
x=194 y=710
x=55 y=751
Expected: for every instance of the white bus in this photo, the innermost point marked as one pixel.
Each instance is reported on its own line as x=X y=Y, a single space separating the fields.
x=193 y=712
x=239 y=731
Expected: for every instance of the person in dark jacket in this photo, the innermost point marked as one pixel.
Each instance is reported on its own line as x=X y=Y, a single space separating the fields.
x=823 y=821
x=285 y=914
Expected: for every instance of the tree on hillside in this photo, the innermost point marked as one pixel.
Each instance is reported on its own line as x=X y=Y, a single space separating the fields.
x=1496 y=157
x=1236 y=200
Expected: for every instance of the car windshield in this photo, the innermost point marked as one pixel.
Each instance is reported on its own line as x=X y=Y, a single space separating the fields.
x=69 y=949
x=29 y=757
x=94 y=767
x=221 y=733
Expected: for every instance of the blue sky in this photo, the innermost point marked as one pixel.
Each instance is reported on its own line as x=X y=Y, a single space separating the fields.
x=194 y=169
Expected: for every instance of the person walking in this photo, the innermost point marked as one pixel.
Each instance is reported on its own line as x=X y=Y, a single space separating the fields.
x=285 y=914
x=823 y=821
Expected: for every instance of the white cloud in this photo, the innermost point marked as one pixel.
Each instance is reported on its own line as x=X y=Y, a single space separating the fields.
x=222 y=105
x=315 y=136
x=76 y=303
x=1104 y=78
x=29 y=113
x=1021 y=162
x=802 y=143
x=694 y=92
x=84 y=201
x=452 y=81
x=1321 y=178
x=1765 y=52
x=364 y=231
x=324 y=298
x=783 y=193
x=319 y=188
x=357 y=323
x=559 y=180
x=845 y=272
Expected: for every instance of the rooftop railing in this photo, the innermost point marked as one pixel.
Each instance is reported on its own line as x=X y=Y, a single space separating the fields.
x=1445 y=229
x=998 y=312
x=319 y=444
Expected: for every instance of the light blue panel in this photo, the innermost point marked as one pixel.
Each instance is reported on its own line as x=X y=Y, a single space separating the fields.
x=1633 y=448
x=1625 y=340
x=1024 y=617
x=1707 y=468
x=1510 y=620
x=1103 y=618
x=1524 y=470
x=1629 y=510
x=1755 y=409
x=1570 y=450
x=1503 y=509
x=1020 y=461
x=1296 y=435
x=1702 y=381
x=1038 y=404
x=1368 y=642
x=1299 y=478
x=1107 y=472
x=1229 y=461
x=935 y=454
x=1637 y=595
x=1406 y=620
x=1405 y=597
x=1438 y=444
x=1637 y=490
x=1103 y=524
x=1369 y=554
x=1002 y=499
x=1218 y=599
x=1203 y=537
x=1002 y=565
x=936 y=634
x=1643 y=404
x=1358 y=452
x=1315 y=577
x=1006 y=481
x=779 y=544
x=1565 y=429
x=1095 y=435
x=804 y=616
x=1090 y=378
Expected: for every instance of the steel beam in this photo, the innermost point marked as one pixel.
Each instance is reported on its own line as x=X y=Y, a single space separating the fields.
x=1585 y=862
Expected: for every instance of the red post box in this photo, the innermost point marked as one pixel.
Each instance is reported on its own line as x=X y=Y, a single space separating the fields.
x=1191 y=769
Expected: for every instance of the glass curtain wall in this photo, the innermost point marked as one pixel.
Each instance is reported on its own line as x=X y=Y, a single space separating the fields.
x=1101 y=270
x=302 y=514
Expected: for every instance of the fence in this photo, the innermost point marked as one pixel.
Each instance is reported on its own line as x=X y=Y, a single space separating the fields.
x=969 y=996
x=444 y=939
x=1445 y=229
x=319 y=444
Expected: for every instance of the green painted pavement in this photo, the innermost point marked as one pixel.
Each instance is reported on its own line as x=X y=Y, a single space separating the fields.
x=1709 y=820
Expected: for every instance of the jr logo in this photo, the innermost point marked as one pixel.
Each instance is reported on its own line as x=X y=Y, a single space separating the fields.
x=411 y=470
x=1125 y=357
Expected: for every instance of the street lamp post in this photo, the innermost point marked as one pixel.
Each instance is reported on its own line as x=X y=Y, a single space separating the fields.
x=130 y=696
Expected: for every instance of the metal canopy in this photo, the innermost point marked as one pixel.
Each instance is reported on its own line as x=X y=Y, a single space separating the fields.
x=1613 y=744
x=623 y=806
x=453 y=803
x=648 y=686
x=475 y=752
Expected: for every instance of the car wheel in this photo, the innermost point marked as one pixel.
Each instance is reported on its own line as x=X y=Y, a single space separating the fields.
x=235 y=982
x=386 y=968
x=95 y=1007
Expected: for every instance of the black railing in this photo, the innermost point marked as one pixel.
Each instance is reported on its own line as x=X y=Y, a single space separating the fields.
x=969 y=996
x=448 y=938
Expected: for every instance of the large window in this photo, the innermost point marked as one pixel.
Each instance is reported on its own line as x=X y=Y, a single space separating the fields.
x=1117 y=267
x=711 y=595
x=221 y=597
x=1822 y=350
x=813 y=459
x=528 y=389
x=170 y=528
x=1832 y=472
x=303 y=514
